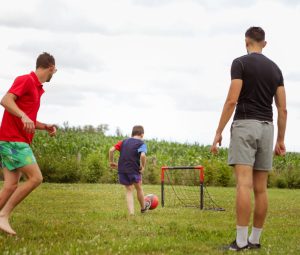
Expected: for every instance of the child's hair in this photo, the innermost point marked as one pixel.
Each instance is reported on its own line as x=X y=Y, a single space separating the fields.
x=137 y=130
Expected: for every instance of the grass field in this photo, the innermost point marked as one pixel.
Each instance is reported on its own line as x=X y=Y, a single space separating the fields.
x=92 y=219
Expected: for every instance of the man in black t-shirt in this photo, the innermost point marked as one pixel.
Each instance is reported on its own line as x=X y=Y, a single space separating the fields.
x=255 y=81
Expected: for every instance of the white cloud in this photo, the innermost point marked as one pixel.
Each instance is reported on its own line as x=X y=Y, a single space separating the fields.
x=207 y=3
x=164 y=64
x=69 y=53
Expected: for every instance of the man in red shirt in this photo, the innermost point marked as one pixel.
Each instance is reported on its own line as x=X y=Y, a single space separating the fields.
x=21 y=104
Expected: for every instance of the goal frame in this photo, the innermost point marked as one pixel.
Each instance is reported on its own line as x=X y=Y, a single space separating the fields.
x=201 y=181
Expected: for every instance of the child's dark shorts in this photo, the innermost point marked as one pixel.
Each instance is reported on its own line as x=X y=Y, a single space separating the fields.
x=129 y=178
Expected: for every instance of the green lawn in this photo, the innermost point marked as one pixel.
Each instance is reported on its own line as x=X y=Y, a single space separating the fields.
x=92 y=219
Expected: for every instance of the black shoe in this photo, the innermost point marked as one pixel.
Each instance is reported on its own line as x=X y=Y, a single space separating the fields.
x=147 y=206
x=234 y=247
x=253 y=245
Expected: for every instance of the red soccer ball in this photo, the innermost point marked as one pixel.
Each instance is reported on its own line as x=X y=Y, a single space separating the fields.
x=153 y=199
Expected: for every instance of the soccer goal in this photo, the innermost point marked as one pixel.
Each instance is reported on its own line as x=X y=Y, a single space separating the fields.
x=184 y=185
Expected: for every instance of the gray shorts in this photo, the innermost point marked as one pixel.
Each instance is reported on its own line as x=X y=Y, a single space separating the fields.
x=251 y=144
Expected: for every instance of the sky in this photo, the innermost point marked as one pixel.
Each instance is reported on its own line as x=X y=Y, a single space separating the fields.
x=164 y=64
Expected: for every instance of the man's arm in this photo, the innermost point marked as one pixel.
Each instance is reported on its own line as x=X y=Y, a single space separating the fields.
x=229 y=106
x=111 y=157
x=50 y=128
x=40 y=125
x=280 y=101
x=143 y=161
x=8 y=102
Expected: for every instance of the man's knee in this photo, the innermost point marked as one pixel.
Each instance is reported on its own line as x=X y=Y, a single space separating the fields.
x=244 y=185
x=260 y=182
x=244 y=176
x=36 y=180
x=33 y=174
x=259 y=189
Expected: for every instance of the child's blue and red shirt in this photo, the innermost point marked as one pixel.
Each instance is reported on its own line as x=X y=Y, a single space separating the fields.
x=130 y=152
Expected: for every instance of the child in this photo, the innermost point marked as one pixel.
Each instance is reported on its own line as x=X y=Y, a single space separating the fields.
x=131 y=165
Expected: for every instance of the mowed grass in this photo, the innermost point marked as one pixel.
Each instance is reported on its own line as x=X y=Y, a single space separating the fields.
x=92 y=219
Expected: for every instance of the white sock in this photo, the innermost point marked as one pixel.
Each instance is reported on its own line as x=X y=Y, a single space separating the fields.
x=255 y=235
x=241 y=236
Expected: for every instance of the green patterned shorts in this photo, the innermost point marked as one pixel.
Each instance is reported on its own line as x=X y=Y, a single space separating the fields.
x=15 y=154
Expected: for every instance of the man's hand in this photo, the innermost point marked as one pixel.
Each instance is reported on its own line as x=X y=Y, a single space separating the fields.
x=113 y=165
x=217 y=140
x=29 y=126
x=280 y=101
x=51 y=129
x=279 y=149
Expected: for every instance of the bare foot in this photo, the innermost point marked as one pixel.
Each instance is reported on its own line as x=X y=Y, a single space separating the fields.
x=5 y=227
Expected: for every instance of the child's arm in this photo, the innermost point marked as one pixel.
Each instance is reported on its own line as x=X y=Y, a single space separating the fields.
x=116 y=147
x=143 y=162
x=111 y=157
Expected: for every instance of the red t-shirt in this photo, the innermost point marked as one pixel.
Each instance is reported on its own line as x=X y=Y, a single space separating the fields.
x=28 y=90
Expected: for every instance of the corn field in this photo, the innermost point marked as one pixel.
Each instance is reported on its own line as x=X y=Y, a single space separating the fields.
x=81 y=155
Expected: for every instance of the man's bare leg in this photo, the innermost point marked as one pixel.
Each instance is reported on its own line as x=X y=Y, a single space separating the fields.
x=34 y=179
x=244 y=186
x=244 y=178
x=11 y=180
x=260 y=179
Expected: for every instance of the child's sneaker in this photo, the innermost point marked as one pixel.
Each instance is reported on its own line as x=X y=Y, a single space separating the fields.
x=147 y=206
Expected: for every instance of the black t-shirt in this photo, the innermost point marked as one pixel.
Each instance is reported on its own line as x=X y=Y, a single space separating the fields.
x=261 y=78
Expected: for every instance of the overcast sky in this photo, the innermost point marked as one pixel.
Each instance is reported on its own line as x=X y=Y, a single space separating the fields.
x=164 y=64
